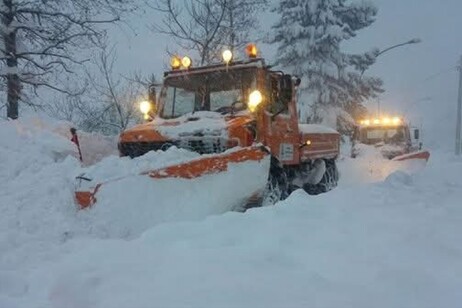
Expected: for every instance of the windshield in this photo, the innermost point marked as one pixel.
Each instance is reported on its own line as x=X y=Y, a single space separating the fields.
x=374 y=135
x=222 y=91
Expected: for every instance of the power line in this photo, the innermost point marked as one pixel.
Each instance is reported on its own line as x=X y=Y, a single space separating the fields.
x=444 y=71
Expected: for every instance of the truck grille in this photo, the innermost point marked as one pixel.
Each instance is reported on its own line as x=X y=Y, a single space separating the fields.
x=203 y=145
x=198 y=145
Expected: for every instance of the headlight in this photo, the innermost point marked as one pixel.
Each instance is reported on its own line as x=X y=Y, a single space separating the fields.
x=145 y=107
x=255 y=99
x=175 y=62
x=186 y=62
x=227 y=56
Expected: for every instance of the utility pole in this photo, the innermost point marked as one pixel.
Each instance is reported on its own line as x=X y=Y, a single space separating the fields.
x=459 y=111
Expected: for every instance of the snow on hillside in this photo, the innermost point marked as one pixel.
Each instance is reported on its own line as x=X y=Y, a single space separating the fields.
x=379 y=240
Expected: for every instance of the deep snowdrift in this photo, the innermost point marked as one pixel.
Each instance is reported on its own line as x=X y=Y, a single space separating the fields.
x=390 y=243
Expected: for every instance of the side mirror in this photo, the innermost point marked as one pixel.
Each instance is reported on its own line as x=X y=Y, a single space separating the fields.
x=297 y=82
x=152 y=94
x=286 y=88
x=416 y=134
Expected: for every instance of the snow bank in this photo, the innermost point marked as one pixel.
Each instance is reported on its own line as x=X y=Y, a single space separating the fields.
x=36 y=208
x=370 y=166
x=129 y=206
x=386 y=241
x=391 y=244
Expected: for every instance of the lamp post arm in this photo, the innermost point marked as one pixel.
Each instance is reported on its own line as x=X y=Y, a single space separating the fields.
x=414 y=41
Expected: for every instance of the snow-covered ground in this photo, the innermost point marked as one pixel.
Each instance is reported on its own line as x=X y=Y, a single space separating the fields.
x=388 y=236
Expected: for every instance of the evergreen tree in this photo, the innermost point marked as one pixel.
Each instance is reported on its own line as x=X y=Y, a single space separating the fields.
x=309 y=34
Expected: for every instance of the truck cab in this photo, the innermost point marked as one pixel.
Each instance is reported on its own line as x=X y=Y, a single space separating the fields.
x=392 y=136
x=214 y=108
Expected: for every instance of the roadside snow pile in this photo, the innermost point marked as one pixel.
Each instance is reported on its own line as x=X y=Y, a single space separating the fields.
x=128 y=203
x=394 y=243
x=36 y=208
x=27 y=146
x=371 y=166
x=390 y=244
x=94 y=146
x=37 y=169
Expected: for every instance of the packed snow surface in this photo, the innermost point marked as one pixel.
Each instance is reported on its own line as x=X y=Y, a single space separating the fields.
x=386 y=237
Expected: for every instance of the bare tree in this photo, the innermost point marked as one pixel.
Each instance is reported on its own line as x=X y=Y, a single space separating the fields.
x=240 y=20
x=40 y=38
x=207 y=26
x=109 y=104
x=117 y=96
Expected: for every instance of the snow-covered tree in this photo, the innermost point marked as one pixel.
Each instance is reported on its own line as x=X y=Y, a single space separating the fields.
x=309 y=34
x=39 y=39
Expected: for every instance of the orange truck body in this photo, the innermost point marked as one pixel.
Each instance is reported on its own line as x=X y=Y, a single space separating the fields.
x=278 y=132
x=395 y=141
x=267 y=131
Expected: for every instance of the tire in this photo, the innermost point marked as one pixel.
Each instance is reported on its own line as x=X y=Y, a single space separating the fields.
x=328 y=181
x=277 y=187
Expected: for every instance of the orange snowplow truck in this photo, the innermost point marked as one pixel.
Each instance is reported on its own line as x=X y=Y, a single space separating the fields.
x=391 y=136
x=235 y=112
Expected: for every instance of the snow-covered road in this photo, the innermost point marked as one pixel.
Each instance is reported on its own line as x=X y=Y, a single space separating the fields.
x=383 y=238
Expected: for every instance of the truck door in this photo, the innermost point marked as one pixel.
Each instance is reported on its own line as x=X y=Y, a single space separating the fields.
x=281 y=121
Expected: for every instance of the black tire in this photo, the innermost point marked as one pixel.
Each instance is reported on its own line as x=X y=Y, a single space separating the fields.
x=277 y=187
x=328 y=181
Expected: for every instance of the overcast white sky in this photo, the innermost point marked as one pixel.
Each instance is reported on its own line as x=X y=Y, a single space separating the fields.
x=420 y=80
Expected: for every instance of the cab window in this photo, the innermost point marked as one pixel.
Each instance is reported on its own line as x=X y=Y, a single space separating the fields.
x=276 y=103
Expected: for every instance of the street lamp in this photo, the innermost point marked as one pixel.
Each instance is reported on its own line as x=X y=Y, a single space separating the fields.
x=380 y=52
x=413 y=41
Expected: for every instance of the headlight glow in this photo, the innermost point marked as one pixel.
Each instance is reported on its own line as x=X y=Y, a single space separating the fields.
x=175 y=62
x=227 y=56
x=186 y=62
x=145 y=107
x=255 y=99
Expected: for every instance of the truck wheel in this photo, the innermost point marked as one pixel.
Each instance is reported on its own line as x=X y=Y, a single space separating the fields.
x=277 y=188
x=328 y=181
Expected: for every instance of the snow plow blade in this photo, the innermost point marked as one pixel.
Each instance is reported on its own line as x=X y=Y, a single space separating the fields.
x=416 y=155
x=189 y=170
